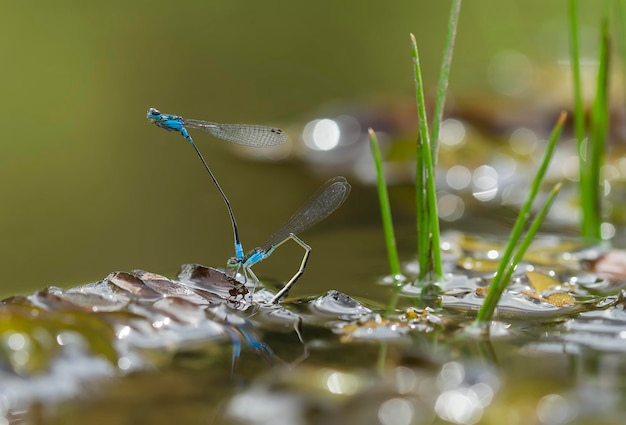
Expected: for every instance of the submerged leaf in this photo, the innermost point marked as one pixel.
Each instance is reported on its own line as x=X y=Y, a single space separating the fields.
x=477 y=265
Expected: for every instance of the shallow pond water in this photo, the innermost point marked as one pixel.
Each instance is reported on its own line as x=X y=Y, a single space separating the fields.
x=142 y=348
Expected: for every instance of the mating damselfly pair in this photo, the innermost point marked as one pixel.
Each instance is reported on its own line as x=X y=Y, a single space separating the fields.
x=323 y=203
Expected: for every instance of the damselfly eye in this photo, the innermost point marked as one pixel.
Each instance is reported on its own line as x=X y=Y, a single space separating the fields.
x=155 y=111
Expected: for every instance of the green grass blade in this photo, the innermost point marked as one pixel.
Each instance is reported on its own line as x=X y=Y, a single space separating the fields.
x=385 y=213
x=385 y=208
x=585 y=188
x=497 y=288
x=579 y=109
x=485 y=312
x=598 y=130
x=435 y=239
x=425 y=176
x=423 y=226
x=444 y=74
x=528 y=239
x=423 y=223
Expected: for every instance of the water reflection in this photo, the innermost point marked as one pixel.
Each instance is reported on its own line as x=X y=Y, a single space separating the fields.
x=451 y=207
x=523 y=141
x=340 y=383
x=458 y=177
x=323 y=134
x=396 y=411
x=402 y=395
x=452 y=133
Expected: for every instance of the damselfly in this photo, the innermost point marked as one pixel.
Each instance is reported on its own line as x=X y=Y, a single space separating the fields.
x=323 y=203
x=243 y=134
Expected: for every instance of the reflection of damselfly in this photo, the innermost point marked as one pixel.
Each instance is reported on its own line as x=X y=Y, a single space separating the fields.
x=243 y=134
x=326 y=200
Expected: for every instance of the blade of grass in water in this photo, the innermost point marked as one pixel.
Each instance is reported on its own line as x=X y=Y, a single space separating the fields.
x=598 y=130
x=385 y=212
x=591 y=150
x=423 y=227
x=428 y=227
x=587 y=203
x=528 y=239
x=497 y=288
x=444 y=74
x=492 y=298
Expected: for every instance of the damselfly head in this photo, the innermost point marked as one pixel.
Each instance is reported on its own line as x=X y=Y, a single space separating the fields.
x=153 y=113
x=233 y=262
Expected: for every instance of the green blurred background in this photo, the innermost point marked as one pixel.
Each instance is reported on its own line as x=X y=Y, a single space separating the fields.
x=90 y=186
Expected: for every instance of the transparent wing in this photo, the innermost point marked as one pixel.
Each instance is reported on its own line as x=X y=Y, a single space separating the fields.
x=243 y=134
x=322 y=204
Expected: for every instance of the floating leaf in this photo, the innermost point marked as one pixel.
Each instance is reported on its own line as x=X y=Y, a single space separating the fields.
x=560 y=299
x=541 y=282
